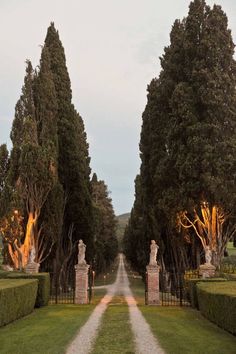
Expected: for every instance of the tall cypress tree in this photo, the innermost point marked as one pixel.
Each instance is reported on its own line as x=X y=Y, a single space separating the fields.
x=188 y=138
x=32 y=173
x=46 y=108
x=73 y=160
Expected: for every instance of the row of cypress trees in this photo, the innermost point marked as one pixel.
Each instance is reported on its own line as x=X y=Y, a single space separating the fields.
x=186 y=192
x=46 y=192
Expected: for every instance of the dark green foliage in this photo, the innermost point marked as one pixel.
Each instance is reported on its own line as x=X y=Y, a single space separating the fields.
x=4 y=190
x=217 y=302
x=106 y=243
x=49 y=165
x=187 y=145
x=43 y=291
x=122 y=222
x=135 y=240
x=191 y=285
x=17 y=298
x=73 y=158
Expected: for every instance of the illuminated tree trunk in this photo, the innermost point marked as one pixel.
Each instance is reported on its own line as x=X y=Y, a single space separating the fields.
x=30 y=235
x=208 y=226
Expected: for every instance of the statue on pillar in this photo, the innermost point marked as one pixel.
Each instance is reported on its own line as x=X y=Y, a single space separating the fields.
x=81 y=255
x=32 y=255
x=32 y=266
x=208 y=255
x=153 y=254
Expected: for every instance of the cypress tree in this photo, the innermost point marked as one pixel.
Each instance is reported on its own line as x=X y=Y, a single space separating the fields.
x=188 y=140
x=106 y=243
x=73 y=159
x=32 y=171
x=46 y=108
x=202 y=139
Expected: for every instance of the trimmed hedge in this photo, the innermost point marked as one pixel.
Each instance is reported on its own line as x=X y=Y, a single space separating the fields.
x=191 y=285
x=217 y=302
x=43 y=292
x=230 y=276
x=17 y=298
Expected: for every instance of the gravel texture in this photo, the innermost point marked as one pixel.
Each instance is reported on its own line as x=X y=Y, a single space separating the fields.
x=145 y=341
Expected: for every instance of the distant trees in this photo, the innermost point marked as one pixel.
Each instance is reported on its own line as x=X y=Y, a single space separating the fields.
x=187 y=143
x=106 y=243
x=45 y=187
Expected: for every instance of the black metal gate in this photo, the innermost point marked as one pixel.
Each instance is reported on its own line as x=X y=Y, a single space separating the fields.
x=173 y=287
x=62 y=287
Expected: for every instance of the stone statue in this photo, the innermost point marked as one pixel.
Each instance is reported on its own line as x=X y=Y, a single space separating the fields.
x=208 y=255
x=81 y=255
x=153 y=254
x=32 y=255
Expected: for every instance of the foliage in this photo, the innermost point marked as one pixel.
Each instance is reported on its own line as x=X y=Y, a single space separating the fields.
x=191 y=285
x=43 y=292
x=106 y=243
x=17 y=299
x=73 y=158
x=49 y=166
x=217 y=302
x=122 y=222
x=185 y=194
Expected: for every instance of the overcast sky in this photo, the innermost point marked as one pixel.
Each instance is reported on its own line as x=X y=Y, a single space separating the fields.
x=112 y=49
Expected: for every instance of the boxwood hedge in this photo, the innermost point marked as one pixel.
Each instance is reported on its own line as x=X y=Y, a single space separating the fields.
x=191 y=285
x=217 y=302
x=43 y=292
x=17 y=298
x=43 y=286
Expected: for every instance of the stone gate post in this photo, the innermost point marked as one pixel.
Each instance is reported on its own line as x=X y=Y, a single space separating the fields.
x=81 y=276
x=81 y=283
x=153 y=295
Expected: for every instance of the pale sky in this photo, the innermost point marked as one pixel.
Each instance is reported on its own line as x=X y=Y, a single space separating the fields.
x=112 y=49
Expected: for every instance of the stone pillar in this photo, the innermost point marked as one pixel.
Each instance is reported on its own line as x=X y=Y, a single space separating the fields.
x=153 y=297
x=32 y=267
x=207 y=270
x=81 y=283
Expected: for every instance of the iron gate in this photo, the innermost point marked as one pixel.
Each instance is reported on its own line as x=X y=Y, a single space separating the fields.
x=62 y=287
x=173 y=287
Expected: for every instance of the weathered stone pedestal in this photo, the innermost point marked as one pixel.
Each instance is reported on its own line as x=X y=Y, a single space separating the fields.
x=81 y=283
x=153 y=297
x=207 y=270
x=32 y=267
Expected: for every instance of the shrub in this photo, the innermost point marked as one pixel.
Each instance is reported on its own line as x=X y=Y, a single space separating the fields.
x=217 y=302
x=43 y=285
x=191 y=285
x=3 y=274
x=17 y=298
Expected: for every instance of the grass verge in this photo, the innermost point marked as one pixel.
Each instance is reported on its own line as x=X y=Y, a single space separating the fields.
x=115 y=335
x=48 y=330
x=183 y=330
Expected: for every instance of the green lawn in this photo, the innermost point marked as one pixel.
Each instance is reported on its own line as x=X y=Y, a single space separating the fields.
x=183 y=330
x=47 y=330
x=115 y=335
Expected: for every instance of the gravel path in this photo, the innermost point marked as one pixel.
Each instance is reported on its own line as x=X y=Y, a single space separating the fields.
x=145 y=341
x=83 y=342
